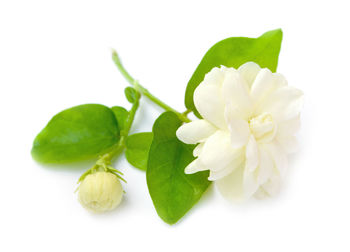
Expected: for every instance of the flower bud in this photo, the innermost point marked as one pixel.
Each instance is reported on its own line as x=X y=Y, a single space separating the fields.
x=100 y=192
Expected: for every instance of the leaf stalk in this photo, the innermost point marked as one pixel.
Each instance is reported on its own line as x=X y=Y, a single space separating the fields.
x=143 y=90
x=104 y=161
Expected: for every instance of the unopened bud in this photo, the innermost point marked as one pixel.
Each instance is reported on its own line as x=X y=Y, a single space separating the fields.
x=100 y=192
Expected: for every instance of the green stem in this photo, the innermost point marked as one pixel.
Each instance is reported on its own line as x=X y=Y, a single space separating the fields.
x=143 y=90
x=187 y=112
x=107 y=158
x=104 y=161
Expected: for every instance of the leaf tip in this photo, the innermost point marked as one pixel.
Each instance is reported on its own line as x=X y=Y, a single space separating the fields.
x=276 y=32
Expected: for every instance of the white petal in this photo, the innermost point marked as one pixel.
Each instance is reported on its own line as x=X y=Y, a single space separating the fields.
x=236 y=163
x=238 y=185
x=215 y=76
x=260 y=194
x=250 y=184
x=231 y=186
x=236 y=92
x=239 y=128
x=263 y=83
x=209 y=103
x=289 y=144
x=249 y=72
x=279 y=80
x=216 y=175
x=263 y=128
x=266 y=165
x=217 y=151
x=195 y=132
x=252 y=155
x=198 y=150
x=284 y=104
x=194 y=166
x=279 y=157
x=232 y=111
x=288 y=128
x=272 y=186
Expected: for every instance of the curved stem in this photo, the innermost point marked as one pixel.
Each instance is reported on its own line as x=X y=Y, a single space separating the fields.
x=187 y=112
x=107 y=158
x=143 y=90
x=104 y=161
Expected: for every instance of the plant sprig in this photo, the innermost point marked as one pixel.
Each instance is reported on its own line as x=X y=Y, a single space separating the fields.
x=96 y=131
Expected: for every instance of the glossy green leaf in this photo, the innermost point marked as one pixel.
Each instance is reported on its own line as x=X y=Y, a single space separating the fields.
x=137 y=148
x=77 y=133
x=233 y=52
x=172 y=191
x=121 y=114
x=131 y=94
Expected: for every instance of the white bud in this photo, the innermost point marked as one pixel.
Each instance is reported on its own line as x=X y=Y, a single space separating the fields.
x=100 y=192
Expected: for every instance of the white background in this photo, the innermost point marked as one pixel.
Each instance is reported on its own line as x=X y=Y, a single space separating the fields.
x=56 y=54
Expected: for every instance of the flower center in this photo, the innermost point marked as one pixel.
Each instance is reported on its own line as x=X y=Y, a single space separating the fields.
x=262 y=127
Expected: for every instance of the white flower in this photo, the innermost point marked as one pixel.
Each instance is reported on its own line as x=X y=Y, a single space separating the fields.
x=250 y=117
x=100 y=192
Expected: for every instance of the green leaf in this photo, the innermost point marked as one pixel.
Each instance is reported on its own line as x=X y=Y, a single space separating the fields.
x=173 y=192
x=131 y=94
x=233 y=52
x=75 y=134
x=137 y=148
x=121 y=114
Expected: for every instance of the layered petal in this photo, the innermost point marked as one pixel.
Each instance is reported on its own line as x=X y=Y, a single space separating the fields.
x=288 y=128
x=279 y=157
x=236 y=163
x=272 y=186
x=250 y=183
x=260 y=194
x=239 y=128
x=263 y=128
x=283 y=104
x=215 y=77
x=262 y=84
x=195 y=132
x=266 y=165
x=235 y=92
x=289 y=143
x=249 y=72
x=251 y=155
x=217 y=152
x=195 y=166
x=250 y=116
x=198 y=150
x=279 y=81
x=238 y=185
x=209 y=103
x=231 y=186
